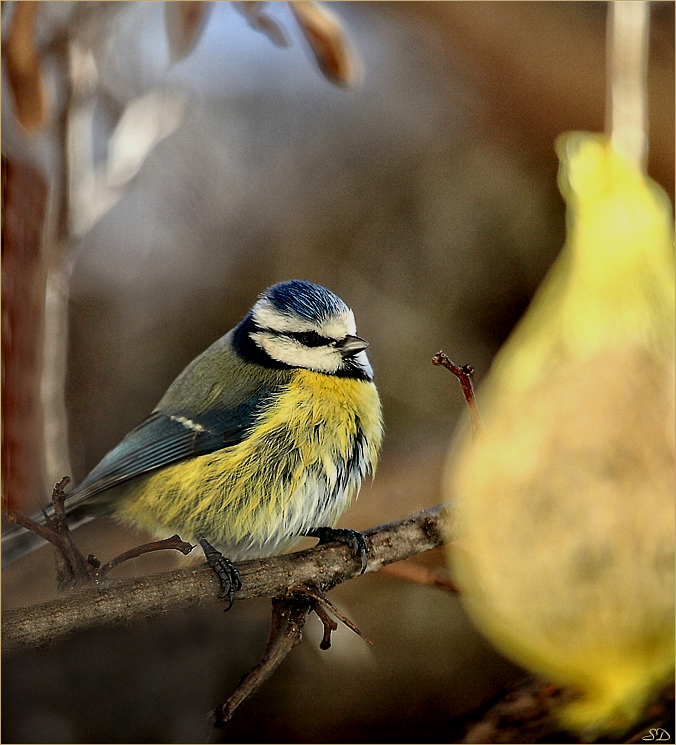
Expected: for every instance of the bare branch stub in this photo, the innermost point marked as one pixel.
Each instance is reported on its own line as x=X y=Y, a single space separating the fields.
x=72 y=569
x=173 y=543
x=288 y=619
x=465 y=374
x=329 y=626
x=321 y=603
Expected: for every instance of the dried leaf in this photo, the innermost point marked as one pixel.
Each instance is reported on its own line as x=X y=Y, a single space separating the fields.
x=184 y=23
x=24 y=72
x=328 y=43
x=145 y=122
x=252 y=11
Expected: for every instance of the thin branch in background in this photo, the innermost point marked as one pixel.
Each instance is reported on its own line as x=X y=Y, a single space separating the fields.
x=465 y=374
x=422 y=575
x=260 y=21
x=526 y=712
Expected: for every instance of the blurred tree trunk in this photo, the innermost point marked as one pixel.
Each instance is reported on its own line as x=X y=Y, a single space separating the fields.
x=24 y=279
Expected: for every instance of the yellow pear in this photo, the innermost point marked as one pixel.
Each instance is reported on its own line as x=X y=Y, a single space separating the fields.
x=567 y=498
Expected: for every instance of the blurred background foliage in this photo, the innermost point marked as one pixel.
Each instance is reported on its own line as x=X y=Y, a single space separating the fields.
x=425 y=196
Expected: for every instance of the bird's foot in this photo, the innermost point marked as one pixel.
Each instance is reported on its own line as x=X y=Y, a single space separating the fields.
x=224 y=568
x=351 y=538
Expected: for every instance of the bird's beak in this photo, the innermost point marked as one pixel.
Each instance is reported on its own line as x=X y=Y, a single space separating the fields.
x=351 y=345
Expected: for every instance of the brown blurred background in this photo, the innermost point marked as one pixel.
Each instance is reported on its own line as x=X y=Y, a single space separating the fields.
x=425 y=197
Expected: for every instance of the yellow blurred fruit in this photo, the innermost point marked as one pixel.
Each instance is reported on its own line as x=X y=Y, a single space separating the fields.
x=567 y=499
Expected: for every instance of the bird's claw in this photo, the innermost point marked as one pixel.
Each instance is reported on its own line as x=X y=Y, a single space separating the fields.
x=352 y=538
x=225 y=569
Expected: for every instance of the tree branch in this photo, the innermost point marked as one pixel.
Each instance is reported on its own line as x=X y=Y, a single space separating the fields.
x=286 y=632
x=146 y=597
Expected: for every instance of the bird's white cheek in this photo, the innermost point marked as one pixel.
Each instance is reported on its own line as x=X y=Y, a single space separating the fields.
x=321 y=359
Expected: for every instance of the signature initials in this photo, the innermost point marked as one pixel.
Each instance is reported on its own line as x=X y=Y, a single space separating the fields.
x=659 y=735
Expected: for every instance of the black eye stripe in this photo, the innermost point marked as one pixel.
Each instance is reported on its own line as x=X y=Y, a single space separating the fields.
x=309 y=338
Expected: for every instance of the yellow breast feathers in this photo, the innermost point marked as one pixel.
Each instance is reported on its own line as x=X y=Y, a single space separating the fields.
x=299 y=467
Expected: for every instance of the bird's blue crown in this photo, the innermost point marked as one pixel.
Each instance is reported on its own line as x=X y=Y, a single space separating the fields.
x=305 y=299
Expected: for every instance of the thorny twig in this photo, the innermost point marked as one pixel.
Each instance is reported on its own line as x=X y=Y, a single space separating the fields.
x=465 y=374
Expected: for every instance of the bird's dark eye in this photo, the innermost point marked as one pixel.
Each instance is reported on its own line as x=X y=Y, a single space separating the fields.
x=310 y=338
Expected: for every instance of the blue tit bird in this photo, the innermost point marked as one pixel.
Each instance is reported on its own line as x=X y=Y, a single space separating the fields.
x=264 y=438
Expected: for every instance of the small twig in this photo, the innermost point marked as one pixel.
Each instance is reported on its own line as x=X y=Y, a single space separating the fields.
x=329 y=625
x=44 y=531
x=318 y=595
x=72 y=569
x=288 y=617
x=173 y=543
x=465 y=374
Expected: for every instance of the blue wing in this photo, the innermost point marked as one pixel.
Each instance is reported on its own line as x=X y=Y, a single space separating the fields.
x=163 y=438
